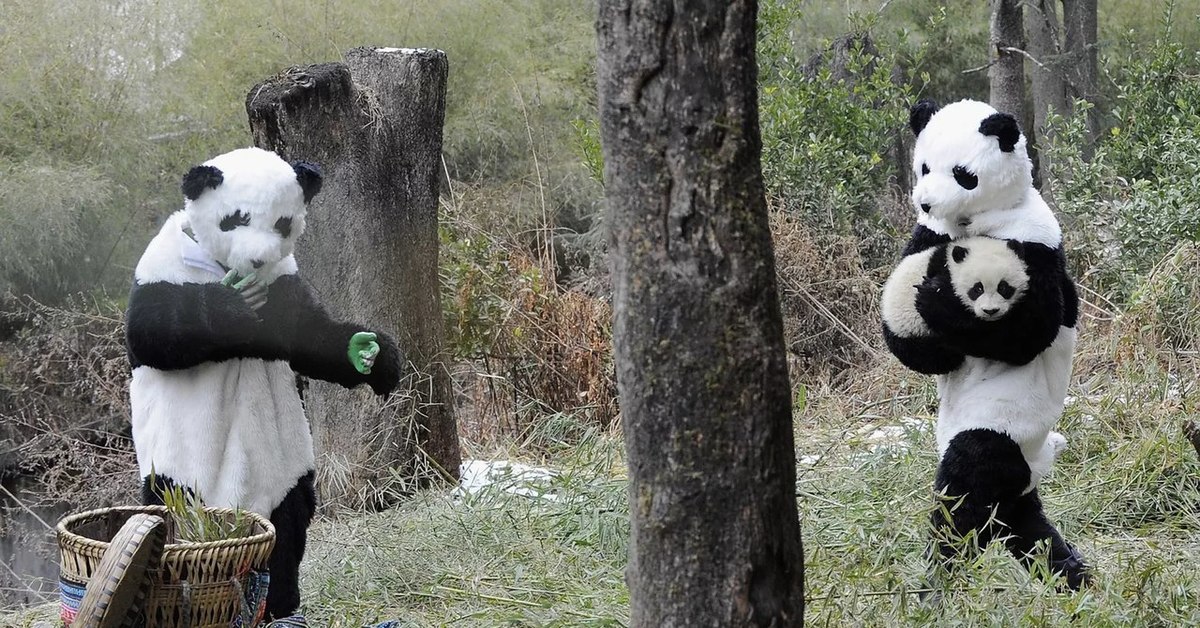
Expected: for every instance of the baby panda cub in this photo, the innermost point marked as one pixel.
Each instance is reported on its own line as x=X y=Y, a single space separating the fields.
x=995 y=441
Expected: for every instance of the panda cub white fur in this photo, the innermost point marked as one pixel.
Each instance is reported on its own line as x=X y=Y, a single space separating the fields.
x=215 y=407
x=1002 y=375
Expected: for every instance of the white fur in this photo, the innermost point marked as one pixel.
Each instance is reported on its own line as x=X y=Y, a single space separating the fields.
x=235 y=430
x=1023 y=402
x=899 y=301
x=988 y=262
x=1003 y=205
x=261 y=184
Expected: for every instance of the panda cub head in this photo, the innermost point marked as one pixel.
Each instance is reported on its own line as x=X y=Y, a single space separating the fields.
x=246 y=207
x=968 y=158
x=988 y=275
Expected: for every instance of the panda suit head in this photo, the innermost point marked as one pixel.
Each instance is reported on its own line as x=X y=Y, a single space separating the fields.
x=247 y=208
x=959 y=175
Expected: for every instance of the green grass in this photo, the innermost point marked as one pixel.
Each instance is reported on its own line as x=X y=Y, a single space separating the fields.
x=1125 y=492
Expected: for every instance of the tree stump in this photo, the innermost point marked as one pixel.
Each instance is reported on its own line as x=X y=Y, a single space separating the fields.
x=374 y=125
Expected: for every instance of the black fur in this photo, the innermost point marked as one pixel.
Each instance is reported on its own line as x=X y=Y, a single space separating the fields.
x=178 y=326
x=309 y=176
x=982 y=475
x=928 y=355
x=1023 y=333
x=152 y=492
x=199 y=178
x=316 y=344
x=923 y=238
x=172 y=326
x=291 y=519
x=1004 y=127
x=920 y=114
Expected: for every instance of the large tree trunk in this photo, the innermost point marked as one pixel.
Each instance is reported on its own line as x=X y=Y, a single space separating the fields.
x=1006 y=76
x=374 y=124
x=698 y=337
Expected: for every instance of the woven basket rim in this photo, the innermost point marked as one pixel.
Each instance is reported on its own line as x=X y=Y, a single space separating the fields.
x=267 y=535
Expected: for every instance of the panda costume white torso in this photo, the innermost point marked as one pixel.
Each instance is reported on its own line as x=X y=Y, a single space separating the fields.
x=214 y=398
x=1001 y=383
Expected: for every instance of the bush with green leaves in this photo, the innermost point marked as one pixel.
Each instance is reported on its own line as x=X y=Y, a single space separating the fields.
x=1139 y=195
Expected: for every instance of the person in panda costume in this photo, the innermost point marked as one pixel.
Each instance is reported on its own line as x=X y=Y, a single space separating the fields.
x=218 y=326
x=995 y=324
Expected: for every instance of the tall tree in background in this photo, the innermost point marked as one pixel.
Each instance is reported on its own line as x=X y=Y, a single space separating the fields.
x=1006 y=75
x=1064 y=64
x=698 y=335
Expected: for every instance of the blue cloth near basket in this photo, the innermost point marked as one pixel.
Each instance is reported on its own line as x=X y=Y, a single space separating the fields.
x=71 y=596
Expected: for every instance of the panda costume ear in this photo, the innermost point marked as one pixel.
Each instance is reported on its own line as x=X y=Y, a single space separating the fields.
x=1017 y=247
x=309 y=177
x=920 y=114
x=958 y=253
x=200 y=178
x=1004 y=127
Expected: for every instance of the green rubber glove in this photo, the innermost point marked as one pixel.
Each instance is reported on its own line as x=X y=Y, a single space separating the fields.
x=255 y=294
x=362 y=351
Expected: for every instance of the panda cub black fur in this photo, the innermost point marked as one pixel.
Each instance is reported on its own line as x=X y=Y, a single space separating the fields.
x=1003 y=375
x=215 y=407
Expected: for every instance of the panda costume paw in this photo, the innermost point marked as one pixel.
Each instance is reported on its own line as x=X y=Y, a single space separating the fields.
x=218 y=326
x=1002 y=378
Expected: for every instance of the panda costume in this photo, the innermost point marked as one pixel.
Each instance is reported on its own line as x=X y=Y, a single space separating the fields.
x=218 y=327
x=1002 y=376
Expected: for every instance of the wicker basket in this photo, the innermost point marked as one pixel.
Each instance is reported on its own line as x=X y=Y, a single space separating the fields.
x=198 y=585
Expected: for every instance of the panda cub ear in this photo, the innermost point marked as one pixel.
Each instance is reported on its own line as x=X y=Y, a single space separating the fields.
x=958 y=253
x=920 y=114
x=200 y=178
x=309 y=177
x=1004 y=127
x=1017 y=247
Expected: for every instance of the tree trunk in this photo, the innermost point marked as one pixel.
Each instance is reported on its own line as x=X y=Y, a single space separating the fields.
x=698 y=335
x=1044 y=37
x=1080 y=33
x=1006 y=76
x=374 y=124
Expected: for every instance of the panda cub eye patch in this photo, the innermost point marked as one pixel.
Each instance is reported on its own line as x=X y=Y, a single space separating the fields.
x=976 y=291
x=1005 y=290
x=965 y=178
x=284 y=226
x=235 y=220
x=924 y=169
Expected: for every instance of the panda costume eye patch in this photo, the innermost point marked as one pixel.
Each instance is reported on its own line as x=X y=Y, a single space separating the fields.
x=284 y=226
x=976 y=291
x=1005 y=290
x=965 y=178
x=924 y=169
x=234 y=220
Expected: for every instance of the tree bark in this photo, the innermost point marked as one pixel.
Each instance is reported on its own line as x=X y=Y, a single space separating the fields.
x=374 y=124
x=1006 y=76
x=1044 y=37
x=698 y=335
x=1080 y=38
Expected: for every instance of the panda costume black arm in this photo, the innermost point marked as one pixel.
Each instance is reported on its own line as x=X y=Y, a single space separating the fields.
x=177 y=326
x=317 y=344
x=1024 y=332
x=905 y=331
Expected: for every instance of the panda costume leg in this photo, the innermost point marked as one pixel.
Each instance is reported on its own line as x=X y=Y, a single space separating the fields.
x=983 y=477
